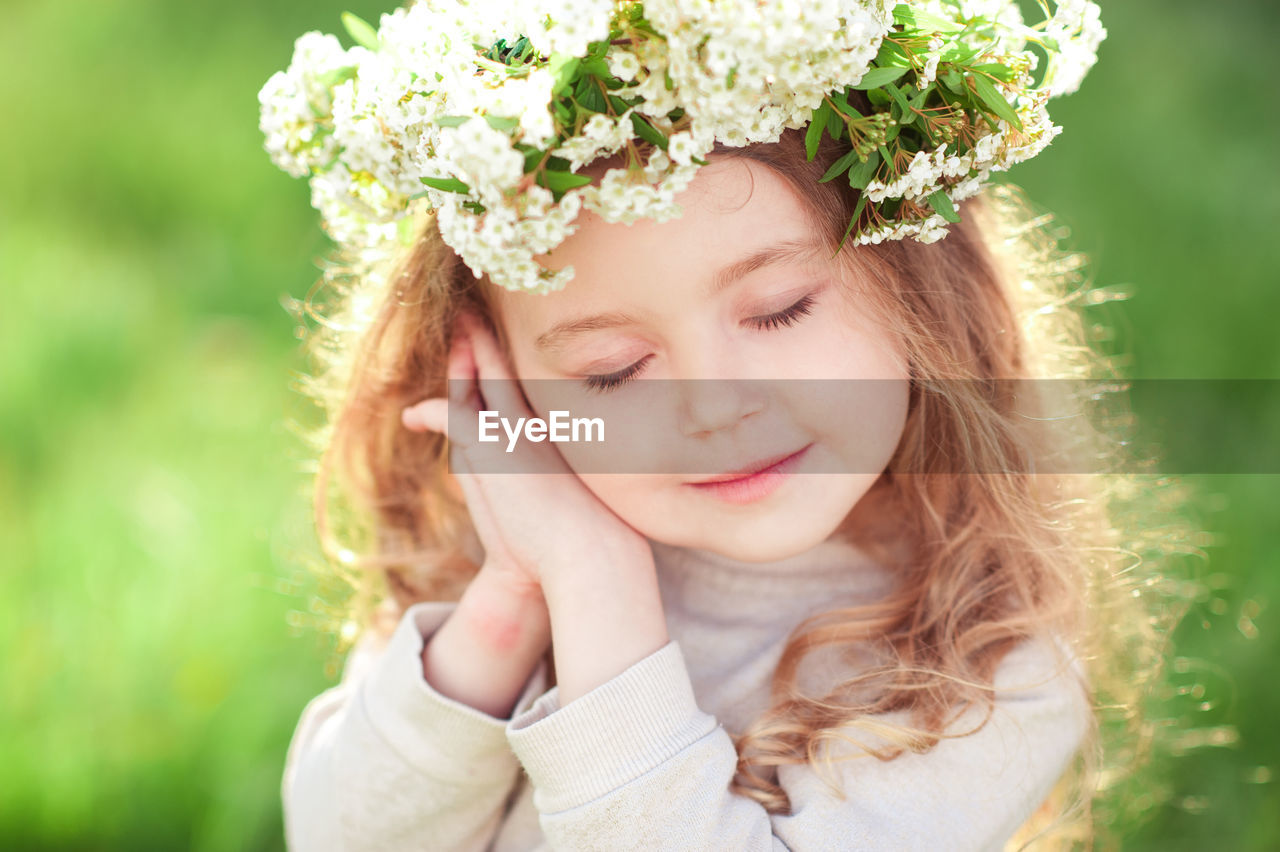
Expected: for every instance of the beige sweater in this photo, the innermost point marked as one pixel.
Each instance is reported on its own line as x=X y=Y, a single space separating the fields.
x=382 y=761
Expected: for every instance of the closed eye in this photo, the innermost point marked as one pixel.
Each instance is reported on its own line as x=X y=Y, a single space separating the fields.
x=785 y=317
x=609 y=381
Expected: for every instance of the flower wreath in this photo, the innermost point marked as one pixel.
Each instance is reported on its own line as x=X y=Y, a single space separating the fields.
x=484 y=111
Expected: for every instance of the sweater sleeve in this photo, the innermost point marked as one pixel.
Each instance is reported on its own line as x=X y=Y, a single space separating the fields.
x=384 y=761
x=635 y=764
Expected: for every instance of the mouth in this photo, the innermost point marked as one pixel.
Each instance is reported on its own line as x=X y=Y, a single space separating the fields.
x=748 y=471
x=753 y=482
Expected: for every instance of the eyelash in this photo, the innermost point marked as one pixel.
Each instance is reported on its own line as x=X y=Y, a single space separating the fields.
x=786 y=317
x=610 y=381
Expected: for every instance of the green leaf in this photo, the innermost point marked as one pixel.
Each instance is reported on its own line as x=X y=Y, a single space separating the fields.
x=995 y=69
x=596 y=66
x=877 y=77
x=861 y=174
x=839 y=166
x=959 y=53
x=835 y=125
x=532 y=157
x=841 y=100
x=913 y=18
x=891 y=53
x=648 y=132
x=953 y=81
x=992 y=98
x=361 y=32
x=446 y=184
x=499 y=122
x=885 y=156
x=559 y=182
x=452 y=120
x=813 y=135
x=853 y=220
x=941 y=204
x=336 y=76
x=590 y=96
x=562 y=68
x=894 y=92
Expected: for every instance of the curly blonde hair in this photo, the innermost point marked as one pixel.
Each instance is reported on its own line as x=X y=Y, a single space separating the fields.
x=997 y=532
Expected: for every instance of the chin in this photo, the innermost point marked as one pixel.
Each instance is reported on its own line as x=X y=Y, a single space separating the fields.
x=769 y=540
x=775 y=533
x=764 y=549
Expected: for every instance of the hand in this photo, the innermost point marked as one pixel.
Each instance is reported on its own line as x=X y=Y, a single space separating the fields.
x=538 y=525
x=543 y=531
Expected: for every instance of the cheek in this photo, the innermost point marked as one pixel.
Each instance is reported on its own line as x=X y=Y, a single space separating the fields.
x=856 y=405
x=836 y=344
x=627 y=426
x=628 y=497
x=858 y=422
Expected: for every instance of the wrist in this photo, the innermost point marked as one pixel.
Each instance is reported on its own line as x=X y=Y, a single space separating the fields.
x=484 y=653
x=601 y=568
x=606 y=616
x=506 y=611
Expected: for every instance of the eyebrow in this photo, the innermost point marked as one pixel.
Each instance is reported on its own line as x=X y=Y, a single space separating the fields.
x=787 y=251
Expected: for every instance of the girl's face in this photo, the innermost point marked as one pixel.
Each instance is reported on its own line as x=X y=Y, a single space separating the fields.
x=740 y=312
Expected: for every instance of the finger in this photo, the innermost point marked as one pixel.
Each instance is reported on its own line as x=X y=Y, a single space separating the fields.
x=477 y=502
x=428 y=415
x=499 y=387
x=460 y=364
x=464 y=401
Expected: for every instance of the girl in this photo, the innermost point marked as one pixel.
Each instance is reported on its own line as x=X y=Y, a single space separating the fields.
x=887 y=621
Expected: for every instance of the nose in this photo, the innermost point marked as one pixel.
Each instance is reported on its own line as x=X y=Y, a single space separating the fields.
x=711 y=405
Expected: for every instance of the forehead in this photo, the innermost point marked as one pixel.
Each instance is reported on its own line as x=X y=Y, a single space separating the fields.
x=732 y=208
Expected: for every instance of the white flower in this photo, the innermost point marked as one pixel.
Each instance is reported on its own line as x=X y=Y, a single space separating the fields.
x=367 y=126
x=929 y=72
x=529 y=100
x=294 y=100
x=1077 y=27
x=624 y=65
x=732 y=59
x=680 y=148
x=932 y=229
x=566 y=26
x=481 y=155
x=601 y=135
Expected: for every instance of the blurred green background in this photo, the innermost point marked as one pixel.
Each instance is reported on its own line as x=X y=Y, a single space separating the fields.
x=154 y=609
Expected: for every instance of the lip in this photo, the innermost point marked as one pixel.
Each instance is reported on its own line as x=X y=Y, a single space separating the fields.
x=753 y=482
